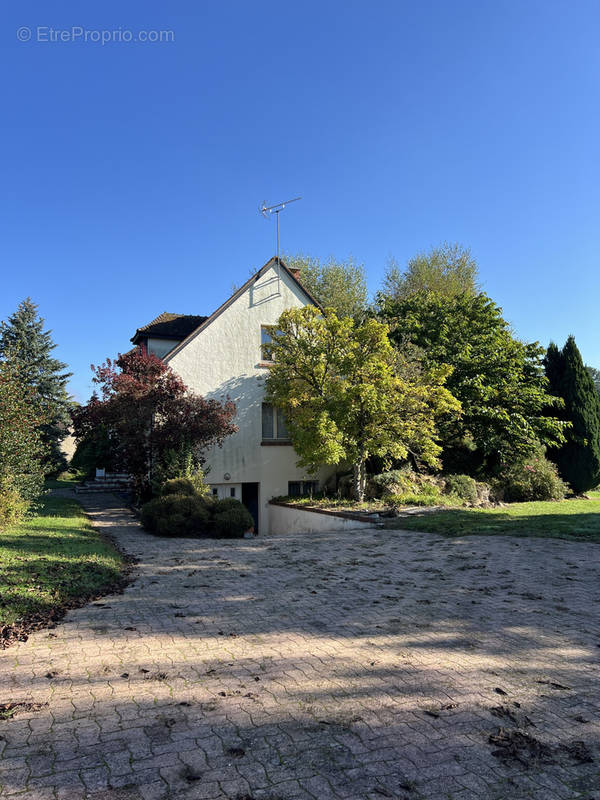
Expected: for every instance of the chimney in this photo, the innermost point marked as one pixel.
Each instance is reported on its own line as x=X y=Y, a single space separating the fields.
x=296 y=273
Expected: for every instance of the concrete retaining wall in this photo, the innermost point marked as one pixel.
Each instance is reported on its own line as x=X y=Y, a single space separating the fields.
x=291 y=519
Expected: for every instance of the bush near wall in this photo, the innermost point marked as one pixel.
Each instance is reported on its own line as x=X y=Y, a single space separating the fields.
x=181 y=511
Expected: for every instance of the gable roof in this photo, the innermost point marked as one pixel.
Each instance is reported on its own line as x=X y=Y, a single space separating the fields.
x=272 y=262
x=169 y=326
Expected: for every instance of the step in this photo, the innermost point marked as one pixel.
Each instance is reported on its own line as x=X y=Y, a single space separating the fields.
x=98 y=488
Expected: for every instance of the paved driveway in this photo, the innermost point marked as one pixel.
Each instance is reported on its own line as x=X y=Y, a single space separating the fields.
x=352 y=665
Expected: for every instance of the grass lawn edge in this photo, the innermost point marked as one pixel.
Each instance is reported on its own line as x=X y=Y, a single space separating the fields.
x=48 y=618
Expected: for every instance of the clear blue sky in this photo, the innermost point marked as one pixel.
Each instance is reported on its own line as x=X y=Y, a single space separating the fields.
x=132 y=172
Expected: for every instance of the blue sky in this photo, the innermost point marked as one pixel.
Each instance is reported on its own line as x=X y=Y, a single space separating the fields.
x=132 y=172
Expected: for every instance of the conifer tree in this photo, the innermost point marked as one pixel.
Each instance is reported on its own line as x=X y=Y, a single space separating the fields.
x=578 y=459
x=28 y=347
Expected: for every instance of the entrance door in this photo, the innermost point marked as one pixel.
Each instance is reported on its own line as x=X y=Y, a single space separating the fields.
x=250 y=500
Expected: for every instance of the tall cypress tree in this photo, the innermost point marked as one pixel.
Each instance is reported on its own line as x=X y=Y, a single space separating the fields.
x=25 y=343
x=578 y=459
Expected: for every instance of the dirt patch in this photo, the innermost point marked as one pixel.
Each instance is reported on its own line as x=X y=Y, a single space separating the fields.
x=514 y=745
x=521 y=747
x=517 y=718
x=10 y=710
x=579 y=752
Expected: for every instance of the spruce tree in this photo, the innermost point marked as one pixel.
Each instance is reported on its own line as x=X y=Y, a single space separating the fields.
x=28 y=347
x=578 y=459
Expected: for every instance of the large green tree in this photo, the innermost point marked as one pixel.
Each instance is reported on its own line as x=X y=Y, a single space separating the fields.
x=578 y=459
x=348 y=395
x=340 y=285
x=29 y=347
x=498 y=379
x=449 y=270
x=21 y=450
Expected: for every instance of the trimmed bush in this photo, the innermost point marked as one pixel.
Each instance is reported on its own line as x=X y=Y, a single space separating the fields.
x=178 y=486
x=534 y=479
x=186 y=514
x=225 y=504
x=233 y=521
x=462 y=486
x=176 y=515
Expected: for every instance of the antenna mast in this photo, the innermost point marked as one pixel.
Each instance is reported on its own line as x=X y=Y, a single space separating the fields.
x=276 y=209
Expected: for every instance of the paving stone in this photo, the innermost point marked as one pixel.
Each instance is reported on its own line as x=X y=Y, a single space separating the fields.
x=289 y=667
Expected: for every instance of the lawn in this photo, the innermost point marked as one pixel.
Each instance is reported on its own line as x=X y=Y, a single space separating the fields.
x=52 y=561
x=66 y=480
x=576 y=519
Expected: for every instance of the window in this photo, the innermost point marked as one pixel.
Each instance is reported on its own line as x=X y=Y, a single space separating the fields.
x=232 y=492
x=265 y=341
x=215 y=491
x=302 y=488
x=273 y=424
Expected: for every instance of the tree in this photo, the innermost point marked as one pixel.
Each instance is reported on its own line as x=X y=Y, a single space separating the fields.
x=449 y=270
x=21 y=449
x=340 y=285
x=595 y=373
x=150 y=418
x=498 y=379
x=578 y=459
x=29 y=347
x=347 y=395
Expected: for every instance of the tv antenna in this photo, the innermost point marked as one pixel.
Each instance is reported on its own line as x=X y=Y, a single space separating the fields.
x=276 y=209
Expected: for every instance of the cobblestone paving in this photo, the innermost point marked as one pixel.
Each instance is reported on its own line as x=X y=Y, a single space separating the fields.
x=373 y=664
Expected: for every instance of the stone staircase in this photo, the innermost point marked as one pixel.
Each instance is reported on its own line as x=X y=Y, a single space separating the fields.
x=111 y=482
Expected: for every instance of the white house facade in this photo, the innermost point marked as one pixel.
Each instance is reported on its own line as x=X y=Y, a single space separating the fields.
x=221 y=356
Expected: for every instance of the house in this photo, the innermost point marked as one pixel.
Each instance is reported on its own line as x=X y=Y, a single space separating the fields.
x=222 y=356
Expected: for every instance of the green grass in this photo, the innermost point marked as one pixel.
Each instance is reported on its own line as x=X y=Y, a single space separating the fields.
x=52 y=560
x=66 y=480
x=577 y=519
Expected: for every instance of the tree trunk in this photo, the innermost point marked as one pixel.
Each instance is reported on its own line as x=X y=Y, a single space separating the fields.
x=359 y=481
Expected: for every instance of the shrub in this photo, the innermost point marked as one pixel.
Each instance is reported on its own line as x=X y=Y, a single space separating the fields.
x=233 y=521
x=225 y=504
x=176 y=515
x=462 y=486
x=166 y=480
x=12 y=506
x=428 y=498
x=187 y=514
x=404 y=481
x=178 y=486
x=533 y=479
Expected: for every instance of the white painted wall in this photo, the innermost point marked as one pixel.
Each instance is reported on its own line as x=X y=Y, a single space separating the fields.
x=225 y=360
x=284 y=519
